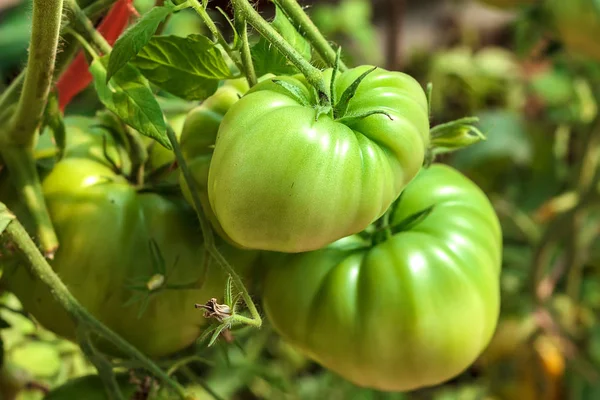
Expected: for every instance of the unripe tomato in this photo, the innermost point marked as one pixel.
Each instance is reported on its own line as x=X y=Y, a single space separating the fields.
x=105 y=227
x=285 y=177
x=198 y=139
x=412 y=309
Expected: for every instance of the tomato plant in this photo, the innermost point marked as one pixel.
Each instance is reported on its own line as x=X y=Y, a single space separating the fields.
x=198 y=139
x=142 y=266
x=413 y=308
x=286 y=177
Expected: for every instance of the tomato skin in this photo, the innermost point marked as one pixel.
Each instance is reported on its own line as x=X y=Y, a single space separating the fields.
x=197 y=143
x=281 y=180
x=105 y=227
x=412 y=311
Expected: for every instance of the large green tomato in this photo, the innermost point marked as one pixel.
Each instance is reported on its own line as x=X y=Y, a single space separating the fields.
x=578 y=24
x=409 y=310
x=105 y=227
x=285 y=177
x=198 y=140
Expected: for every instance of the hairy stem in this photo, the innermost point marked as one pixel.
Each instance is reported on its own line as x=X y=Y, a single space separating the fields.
x=249 y=71
x=16 y=143
x=299 y=18
x=209 y=239
x=312 y=74
x=46 y=22
x=210 y=24
x=39 y=267
x=103 y=366
x=83 y=25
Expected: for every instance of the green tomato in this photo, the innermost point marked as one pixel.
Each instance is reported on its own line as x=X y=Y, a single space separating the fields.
x=411 y=309
x=285 y=177
x=198 y=139
x=577 y=23
x=105 y=227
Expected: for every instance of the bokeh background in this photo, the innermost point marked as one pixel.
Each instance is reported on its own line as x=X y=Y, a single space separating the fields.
x=530 y=70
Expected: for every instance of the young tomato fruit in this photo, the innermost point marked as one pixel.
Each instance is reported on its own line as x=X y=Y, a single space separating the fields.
x=412 y=307
x=288 y=176
x=198 y=139
x=106 y=228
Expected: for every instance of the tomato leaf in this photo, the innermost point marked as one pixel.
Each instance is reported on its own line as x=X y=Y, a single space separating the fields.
x=268 y=59
x=127 y=94
x=5 y=217
x=136 y=37
x=190 y=67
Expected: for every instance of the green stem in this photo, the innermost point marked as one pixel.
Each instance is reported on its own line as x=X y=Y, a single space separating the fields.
x=96 y=9
x=210 y=24
x=300 y=19
x=84 y=26
x=312 y=74
x=209 y=239
x=249 y=70
x=103 y=366
x=11 y=94
x=39 y=267
x=24 y=177
x=45 y=29
x=16 y=143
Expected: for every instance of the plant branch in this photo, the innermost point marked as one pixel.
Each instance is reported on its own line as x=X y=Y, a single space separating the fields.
x=16 y=143
x=83 y=25
x=103 y=366
x=210 y=24
x=300 y=19
x=11 y=94
x=312 y=74
x=43 y=45
x=249 y=71
x=39 y=267
x=209 y=238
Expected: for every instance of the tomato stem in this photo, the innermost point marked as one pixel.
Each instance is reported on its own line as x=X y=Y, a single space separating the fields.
x=11 y=94
x=16 y=143
x=84 y=26
x=39 y=267
x=218 y=37
x=246 y=55
x=312 y=74
x=24 y=177
x=102 y=365
x=209 y=239
x=299 y=18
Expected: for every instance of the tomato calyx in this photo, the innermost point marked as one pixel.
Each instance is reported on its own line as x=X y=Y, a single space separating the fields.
x=384 y=229
x=340 y=108
x=212 y=309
